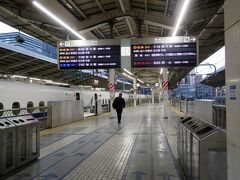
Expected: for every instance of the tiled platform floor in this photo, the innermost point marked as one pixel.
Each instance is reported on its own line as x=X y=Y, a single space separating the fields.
x=99 y=148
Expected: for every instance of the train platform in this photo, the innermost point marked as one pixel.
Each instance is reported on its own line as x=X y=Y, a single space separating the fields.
x=142 y=147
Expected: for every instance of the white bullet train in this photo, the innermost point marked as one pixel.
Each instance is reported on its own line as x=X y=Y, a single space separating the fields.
x=23 y=92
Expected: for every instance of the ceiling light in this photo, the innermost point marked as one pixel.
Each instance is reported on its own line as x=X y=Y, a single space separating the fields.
x=161 y=70
x=140 y=80
x=128 y=76
x=36 y=79
x=128 y=71
x=180 y=17
x=57 y=19
x=17 y=76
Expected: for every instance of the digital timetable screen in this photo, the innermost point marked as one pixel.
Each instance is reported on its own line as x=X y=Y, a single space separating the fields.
x=164 y=54
x=88 y=55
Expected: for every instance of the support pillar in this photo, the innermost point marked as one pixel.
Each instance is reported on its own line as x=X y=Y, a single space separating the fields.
x=232 y=46
x=160 y=89
x=112 y=90
x=152 y=96
x=165 y=95
x=135 y=91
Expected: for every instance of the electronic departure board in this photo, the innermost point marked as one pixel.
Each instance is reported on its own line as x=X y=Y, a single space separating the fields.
x=89 y=54
x=164 y=52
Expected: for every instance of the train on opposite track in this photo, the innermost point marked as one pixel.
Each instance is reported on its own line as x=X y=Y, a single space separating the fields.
x=23 y=93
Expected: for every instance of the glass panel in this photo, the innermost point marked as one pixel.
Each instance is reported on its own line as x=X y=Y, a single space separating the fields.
x=9 y=150
x=34 y=140
x=23 y=144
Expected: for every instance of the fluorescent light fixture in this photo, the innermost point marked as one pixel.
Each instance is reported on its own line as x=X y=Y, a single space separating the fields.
x=36 y=79
x=140 y=81
x=17 y=76
x=128 y=71
x=148 y=85
x=48 y=81
x=56 y=83
x=180 y=17
x=128 y=76
x=161 y=70
x=57 y=19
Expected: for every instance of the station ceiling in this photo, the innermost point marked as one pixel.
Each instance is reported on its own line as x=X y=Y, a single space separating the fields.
x=130 y=18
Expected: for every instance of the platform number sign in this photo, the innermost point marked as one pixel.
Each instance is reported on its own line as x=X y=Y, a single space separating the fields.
x=233 y=93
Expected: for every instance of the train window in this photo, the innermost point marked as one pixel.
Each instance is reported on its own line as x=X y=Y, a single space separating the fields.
x=41 y=106
x=30 y=106
x=1 y=107
x=77 y=96
x=16 y=106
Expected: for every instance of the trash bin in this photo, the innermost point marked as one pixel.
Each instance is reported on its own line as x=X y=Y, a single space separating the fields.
x=27 y=138
x=202 y=150
x=34 y=137
x=8 y=143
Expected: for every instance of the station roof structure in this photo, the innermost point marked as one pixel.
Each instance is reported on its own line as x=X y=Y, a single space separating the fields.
x=130 y=18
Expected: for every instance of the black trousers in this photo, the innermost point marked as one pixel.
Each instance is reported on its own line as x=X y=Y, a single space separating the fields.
x=119 y=115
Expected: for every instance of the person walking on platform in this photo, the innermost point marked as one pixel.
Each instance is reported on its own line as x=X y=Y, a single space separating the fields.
x=119 y=104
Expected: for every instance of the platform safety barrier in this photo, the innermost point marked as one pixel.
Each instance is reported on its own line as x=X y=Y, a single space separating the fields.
x=39 y=113
x=19 y=141
x=201 y=150
x=187 y=107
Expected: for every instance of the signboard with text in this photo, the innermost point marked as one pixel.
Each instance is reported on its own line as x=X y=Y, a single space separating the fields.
x=179 y=51
x=89 y=54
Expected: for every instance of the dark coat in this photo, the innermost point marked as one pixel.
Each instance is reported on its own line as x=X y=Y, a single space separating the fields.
x=118 y=103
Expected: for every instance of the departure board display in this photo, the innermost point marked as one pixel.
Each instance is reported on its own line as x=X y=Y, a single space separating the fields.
x=83 y=54
x=164 y=52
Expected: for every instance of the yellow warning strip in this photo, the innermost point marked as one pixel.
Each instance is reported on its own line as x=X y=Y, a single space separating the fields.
x=175 y=110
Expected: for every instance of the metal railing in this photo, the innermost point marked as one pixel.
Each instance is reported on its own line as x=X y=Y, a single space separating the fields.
x=39 y=113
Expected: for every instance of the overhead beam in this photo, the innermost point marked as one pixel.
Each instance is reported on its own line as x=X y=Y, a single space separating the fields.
x=32 y=69
x=12 y=15
x=166 y=8
x=151 y=18
x=115 y=29
x=11 y=66
x=101 y=34
x=123 y=8
x=7 y=54
x=59 y=10
x=147 y=29
x=146 y=7
x=77 y=9
x=101 y=7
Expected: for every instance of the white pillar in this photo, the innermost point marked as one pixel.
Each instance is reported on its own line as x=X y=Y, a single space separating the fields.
x=165 y=95
x=112 y=93
x=160 y=89
x=152 y=96
x=232 y=47
x=135 y=91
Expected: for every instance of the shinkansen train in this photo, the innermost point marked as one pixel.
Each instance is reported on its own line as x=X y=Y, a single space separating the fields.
x=22 y=93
